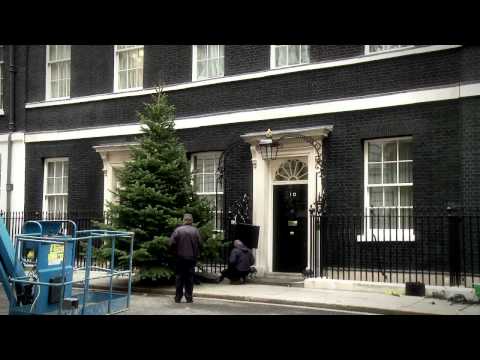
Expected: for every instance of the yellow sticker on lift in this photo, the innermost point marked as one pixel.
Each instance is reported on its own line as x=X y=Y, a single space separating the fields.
x=55 y=256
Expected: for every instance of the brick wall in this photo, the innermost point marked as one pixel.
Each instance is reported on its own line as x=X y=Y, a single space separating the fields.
x=398 y=74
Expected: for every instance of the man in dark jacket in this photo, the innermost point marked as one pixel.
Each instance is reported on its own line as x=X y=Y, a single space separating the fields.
x=185 y=242
x=240 y=261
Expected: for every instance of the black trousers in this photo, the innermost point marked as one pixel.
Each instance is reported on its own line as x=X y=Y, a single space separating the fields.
x=185 y=271
x=233 y=274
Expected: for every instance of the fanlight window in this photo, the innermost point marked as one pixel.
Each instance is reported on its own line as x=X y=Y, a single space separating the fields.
x=292 y=170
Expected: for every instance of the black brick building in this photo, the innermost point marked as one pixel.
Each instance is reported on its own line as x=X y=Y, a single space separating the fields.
x=399 y=126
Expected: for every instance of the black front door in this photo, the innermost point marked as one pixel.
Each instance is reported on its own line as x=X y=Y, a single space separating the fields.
x=290 y=228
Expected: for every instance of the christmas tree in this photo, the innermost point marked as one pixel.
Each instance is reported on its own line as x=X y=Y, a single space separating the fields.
x=155 y=191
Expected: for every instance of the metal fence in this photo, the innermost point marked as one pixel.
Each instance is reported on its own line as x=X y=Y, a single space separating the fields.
x=87 y=220
x=441 y=249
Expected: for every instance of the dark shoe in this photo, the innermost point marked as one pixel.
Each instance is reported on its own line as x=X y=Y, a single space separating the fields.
x=190 y=300
x=177 y=300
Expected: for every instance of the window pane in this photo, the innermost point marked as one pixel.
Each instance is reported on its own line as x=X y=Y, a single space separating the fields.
x=122 y=61
x=58 y=185
x=281 y=56
x=50 y=185
x=58 y=169
x=374 y=173
x=293 y=54
x=201 y=52
x=390 y=219
x=68 y=51
x=202 y=69
x=196 y=163
x=50 y=169
x=132 y=79
x=60 y=52
x=140 y=58
x=209 y=181
x=61 y=88
x=390 y=173
x=405 y=150
x=52 y=52
x=139 y=76
x=65 y=168
x=65 y=185
x=405 y=169
x=406 y=196
x=54 y=89
x=213 y=68
x=209 y=165
x=133 y=59
x=376 y=197
x=374 y=152
x=406 y=220
x=197 y=183
x=383 y=219
x=210 y=199
x=305 y=54
x=222 y=50
x=391 y=196
x=54 y=72
x=213 y=51
x=122 y=80
x=390 y=151
x=51 y=203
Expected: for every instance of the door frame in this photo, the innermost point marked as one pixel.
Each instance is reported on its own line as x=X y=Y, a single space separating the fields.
x=262 y=202
x=303 y=153
x=287 y=183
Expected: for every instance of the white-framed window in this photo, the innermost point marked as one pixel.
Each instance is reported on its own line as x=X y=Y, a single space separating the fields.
x=375 y=49
x=208 y=62
x=289 y=55
x=128 y=67
x=1 y=86
x=389 y=189
x=58 y=71
x=206 y=182
x=55 y=185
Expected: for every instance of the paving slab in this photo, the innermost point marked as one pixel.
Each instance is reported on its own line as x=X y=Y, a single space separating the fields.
x=329 y=299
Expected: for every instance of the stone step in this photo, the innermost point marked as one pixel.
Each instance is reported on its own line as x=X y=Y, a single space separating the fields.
x=277 y=282
x=283 y=275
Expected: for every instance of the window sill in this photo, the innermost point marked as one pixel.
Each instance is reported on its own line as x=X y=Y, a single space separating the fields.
x=387 y=235
x=117 y=91
x=389 y=50
x=57 y=98
x=288 y=66
x=209 y=78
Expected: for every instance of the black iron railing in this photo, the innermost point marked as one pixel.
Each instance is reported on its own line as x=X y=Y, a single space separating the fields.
x=87 y=220
x=441 y=249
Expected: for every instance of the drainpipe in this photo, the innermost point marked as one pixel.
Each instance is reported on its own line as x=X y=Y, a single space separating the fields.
x=11 y=124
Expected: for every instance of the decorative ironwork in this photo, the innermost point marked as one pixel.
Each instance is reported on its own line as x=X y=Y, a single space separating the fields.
x=269 y=147
x=291 y=170
x=238 y=213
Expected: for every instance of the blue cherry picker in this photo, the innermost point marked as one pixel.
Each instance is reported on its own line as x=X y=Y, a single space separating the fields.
x=39 y=276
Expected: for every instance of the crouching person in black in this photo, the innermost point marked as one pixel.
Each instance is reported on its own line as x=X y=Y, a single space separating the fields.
x=240 y=261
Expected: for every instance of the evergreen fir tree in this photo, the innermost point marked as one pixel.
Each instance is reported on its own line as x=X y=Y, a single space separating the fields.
x=155 y=191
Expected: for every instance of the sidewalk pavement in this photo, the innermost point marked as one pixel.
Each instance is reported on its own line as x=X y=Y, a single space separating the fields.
x=328 y=299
